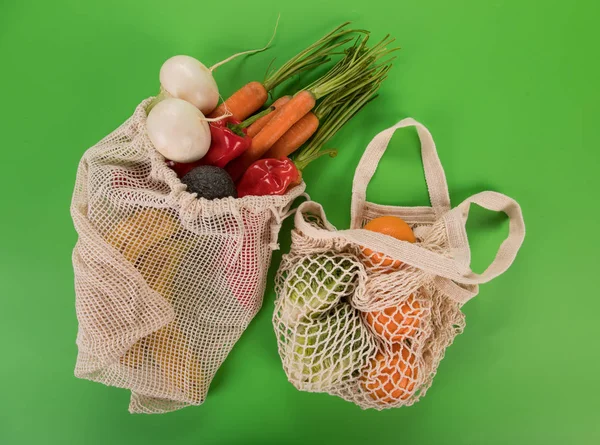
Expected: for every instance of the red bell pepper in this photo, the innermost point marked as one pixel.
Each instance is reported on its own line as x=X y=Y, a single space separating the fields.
x=268 y=177
x=229 y=140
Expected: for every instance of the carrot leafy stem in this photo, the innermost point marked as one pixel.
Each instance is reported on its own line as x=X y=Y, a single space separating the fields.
x=316 y=54
x=349 y=86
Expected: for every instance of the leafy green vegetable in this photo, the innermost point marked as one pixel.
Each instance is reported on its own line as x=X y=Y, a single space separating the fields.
x=321 y=336
x=329 y=350
x=316 y=284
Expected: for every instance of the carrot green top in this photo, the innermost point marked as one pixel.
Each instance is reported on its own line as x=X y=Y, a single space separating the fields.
x=337 y=109
x=359 y=64
x=316 y=54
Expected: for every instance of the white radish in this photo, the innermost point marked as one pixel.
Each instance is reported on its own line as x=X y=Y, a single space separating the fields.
x=187 y=78
x=178 y=130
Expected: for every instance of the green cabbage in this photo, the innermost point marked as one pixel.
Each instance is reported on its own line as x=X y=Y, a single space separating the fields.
x=316 y=284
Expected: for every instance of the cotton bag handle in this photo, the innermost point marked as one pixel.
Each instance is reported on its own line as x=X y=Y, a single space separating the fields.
x=434 y=172
x=456 y=220
x=457 y=268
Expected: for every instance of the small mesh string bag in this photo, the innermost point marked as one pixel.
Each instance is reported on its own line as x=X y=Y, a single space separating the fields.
x=165 y=282
x=368 y=317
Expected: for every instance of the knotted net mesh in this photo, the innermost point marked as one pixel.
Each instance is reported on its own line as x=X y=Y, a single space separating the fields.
x=357 y=324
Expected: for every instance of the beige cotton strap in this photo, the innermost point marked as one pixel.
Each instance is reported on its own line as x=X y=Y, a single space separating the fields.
x=456 y=221
x=434 y=173
x=280 y=216
x=455 y=268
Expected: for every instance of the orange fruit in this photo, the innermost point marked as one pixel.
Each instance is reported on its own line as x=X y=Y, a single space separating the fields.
x=391 y=226
x=395 y=323
x=390 y=379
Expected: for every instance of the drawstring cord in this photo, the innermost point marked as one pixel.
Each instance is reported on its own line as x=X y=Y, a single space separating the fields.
x=280 y=216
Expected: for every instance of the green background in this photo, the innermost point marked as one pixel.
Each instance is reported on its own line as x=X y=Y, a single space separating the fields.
x=509 y=90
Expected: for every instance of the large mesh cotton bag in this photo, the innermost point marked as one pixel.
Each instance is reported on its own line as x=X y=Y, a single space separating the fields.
x=367 y=317
x=165 y=282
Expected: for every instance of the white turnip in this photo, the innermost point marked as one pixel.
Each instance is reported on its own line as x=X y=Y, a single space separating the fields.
x=186 y=78
x=178 y=130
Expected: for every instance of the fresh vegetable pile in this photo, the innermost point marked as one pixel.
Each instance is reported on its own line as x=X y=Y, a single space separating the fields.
x=264 y=151
x=367 y=314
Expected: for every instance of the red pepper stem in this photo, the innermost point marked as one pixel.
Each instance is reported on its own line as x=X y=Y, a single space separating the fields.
x=239 y=128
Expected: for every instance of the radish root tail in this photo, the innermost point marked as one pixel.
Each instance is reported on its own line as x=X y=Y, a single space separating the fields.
x=251 y=51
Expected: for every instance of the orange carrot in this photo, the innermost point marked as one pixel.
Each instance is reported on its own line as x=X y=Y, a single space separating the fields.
x=292 y=139
x=243 y=102
x=354 y=73
x=248 y=99
x=260 y=123
x=288 y=115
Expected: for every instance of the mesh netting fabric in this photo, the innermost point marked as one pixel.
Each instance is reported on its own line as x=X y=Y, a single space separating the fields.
x=366 y=317
x=165 y=282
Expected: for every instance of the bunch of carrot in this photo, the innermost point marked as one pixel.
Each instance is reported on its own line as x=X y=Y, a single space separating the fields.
x=332 y=113
x=252 y=96
x=335 y=97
